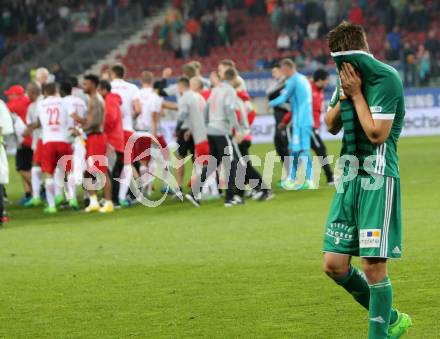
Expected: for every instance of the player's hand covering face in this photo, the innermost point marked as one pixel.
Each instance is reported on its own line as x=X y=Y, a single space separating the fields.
x=350 y=79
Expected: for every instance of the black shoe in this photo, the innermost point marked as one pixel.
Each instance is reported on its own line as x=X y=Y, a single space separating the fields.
x=192 y=199
x=331 y=181
x=238 y=200
x=257 y=194
x=266 y=195
x=230 y=203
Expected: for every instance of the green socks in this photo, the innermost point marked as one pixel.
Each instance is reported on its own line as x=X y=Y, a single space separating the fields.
x=356 y=284
x=381 y=299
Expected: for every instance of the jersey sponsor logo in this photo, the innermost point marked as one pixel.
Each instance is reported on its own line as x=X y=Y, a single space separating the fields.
x=369 y=238
x=376 y=109
x=339 y=232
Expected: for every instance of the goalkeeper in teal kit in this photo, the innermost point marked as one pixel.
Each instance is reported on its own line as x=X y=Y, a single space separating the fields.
x=299 y=92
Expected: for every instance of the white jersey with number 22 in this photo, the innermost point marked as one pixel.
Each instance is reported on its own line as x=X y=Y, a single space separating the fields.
x=54 y=119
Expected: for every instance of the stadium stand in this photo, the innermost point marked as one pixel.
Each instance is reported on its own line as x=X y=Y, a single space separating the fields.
x=74 y=36
x=404 y=34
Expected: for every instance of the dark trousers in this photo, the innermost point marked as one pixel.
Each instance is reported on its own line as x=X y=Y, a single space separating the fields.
x=116 y=174
x=280 y=138
x=222 y=150
x=281 y=143
x=251 y=172
x=319 y=148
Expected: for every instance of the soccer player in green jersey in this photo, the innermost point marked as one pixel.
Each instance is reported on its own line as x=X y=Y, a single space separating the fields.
x=365 y=215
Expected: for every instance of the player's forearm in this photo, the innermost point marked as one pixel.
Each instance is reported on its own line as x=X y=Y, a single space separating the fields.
x=27 y=131
x=30 y=127
x=169 y=105
x=333 y=119
x=79 y=119
x=154 y=131
x=374 y=132
x=137 y=108
x=278 y=101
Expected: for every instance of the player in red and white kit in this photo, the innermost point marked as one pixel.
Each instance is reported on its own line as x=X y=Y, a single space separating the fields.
x=97 y=162
x=34 y=93
x=149 y=121
x=77 y=110
x=41 y=78
x=114 y=134
x=53 y=117
x=131 y=107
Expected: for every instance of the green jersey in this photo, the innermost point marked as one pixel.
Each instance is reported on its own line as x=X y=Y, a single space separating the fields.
x=383 y=91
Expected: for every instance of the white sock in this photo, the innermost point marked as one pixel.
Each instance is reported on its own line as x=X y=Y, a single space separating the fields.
x=212 y=184
x=50 y=192
x=36 y=181
x=143 y=173
x=165 y=174
x=124 y=185
x=206 y=190
x=71 y=187
x=59 y=181
x=152 y=166
x=93 y=200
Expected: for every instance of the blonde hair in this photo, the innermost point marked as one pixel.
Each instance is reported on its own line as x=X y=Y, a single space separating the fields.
x=147 y=77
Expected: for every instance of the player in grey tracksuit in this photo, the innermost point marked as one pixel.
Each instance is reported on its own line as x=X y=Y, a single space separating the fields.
x=221 y=118
x=191 y=107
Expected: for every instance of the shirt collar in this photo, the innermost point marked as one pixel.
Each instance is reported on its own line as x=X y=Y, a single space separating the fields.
x=355 y=51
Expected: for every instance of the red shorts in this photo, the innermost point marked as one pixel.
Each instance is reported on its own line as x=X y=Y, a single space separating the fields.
x=53 y=152
x=202 y=150
x=37 y=153
x=144 y=143
x=96 y=149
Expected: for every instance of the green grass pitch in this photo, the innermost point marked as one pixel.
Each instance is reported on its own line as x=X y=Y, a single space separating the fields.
x=253 y=271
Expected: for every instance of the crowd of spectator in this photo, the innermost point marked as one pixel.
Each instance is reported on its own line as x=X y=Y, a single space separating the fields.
x=410 y=36
x=23 y=19
x=194 y=27
x=406 y=29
